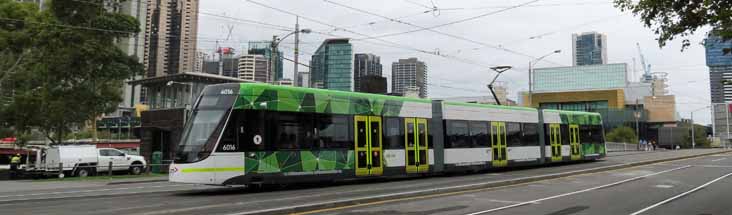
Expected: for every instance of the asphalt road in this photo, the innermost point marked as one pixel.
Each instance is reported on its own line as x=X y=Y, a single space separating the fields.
x=694 y=186
x=646 y=185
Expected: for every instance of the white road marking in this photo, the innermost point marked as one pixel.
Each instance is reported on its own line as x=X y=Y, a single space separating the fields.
x=664 y=186
x=576 y=192
x=680 y=195
x=719 y=159
x=433 y=190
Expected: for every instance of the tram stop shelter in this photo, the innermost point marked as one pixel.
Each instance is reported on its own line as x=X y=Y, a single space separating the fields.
x=170 y=100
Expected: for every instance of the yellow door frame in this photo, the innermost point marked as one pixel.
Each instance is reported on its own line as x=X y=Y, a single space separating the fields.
x=498 y=144
x=419 y=149
x=574 y=142
x=555 y=138
x=374 y=164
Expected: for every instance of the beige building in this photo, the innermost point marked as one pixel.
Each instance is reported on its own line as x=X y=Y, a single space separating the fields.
x=170 y=37
x=253 y=67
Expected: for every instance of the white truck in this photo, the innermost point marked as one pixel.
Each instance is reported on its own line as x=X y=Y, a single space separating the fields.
x=84 y=160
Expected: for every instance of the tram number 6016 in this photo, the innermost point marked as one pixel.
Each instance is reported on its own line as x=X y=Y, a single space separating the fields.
x=228 y=147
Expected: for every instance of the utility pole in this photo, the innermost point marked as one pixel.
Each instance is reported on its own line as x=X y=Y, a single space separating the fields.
x=693 y=142
x=531 y=70
x=637 y=116
x=272 y=57
x=297 y=51
x=693 y=138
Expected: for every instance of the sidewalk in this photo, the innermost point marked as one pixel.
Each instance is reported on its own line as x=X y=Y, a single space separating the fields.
x=52 y=184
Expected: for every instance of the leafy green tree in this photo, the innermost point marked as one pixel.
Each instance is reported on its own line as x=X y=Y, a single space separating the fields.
x=700 y=137
x=622 y=134
x=73 y=71
x=681 y=18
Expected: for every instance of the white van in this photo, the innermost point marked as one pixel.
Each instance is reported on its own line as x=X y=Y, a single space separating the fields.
x=85 y=160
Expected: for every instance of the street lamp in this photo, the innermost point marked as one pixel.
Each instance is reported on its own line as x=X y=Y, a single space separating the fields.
x=499 y=70
x=531 y=70
x=693 y=141
x=276 y=42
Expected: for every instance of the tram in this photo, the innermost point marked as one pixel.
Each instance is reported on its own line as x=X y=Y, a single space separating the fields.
x=252 y=133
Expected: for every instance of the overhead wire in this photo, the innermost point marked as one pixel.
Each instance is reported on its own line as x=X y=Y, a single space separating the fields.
x=431 y=28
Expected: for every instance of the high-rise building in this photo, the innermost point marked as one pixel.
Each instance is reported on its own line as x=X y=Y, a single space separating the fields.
x=201 y=57
x=253 y=68
x=170 y=37
x=133 y=46
x=589 y=48
x=409 y=75
x=365 y=65
x=303 y=79
x=719 y=61
x=264 y=48
x=330 y=66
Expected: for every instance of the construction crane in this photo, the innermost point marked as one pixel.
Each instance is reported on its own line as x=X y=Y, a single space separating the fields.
x=647 y=77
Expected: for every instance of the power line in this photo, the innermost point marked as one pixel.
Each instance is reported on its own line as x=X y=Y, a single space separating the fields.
x=431 y=29
x=449 y=23
x=393 y=44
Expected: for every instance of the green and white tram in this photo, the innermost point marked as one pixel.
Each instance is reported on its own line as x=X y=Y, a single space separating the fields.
x=258 y=133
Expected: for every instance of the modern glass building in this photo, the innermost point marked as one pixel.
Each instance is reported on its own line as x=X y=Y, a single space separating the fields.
x=365 y=65
x=330 y=66
x=575 y=78
x=265 y=48
x=719 y=61
x=589 y=48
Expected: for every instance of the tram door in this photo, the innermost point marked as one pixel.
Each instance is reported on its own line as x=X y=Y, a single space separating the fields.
x=498 y=144
x=574 y=142
x=368 y=145
x=555 y=141
x=416 y=148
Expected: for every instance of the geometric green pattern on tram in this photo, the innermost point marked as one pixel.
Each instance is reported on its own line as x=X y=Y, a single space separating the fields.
x=578 y=118
x=593 y=149
x=295 y=99
x=588 y=149
x=299 y=161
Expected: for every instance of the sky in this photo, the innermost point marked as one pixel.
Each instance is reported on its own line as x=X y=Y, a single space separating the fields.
x=502 y=32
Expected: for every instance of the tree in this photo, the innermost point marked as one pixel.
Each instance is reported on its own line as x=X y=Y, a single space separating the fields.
x=700 y=137
x=681 y=18
x=622 y=134
x=74 y=71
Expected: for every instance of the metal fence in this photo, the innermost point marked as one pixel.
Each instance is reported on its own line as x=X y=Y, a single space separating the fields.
x=620 y=147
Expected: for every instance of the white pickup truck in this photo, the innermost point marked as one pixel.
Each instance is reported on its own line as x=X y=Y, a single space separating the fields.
x=84 y=160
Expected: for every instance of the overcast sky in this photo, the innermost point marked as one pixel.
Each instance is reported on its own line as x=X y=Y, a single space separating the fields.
x=503 y=36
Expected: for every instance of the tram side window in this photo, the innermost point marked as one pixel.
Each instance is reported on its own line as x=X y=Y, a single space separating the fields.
x=429 y=134
x=597 y=136
x=585 y=134
x=479 y=134
x=564 y=128
x=547 y=133
x=458 y=134
x=291 y=131
x=513 y=134
x=251 y=130
x=333 y=131
x=228 y=141
x=529 y=134
x=393 y=133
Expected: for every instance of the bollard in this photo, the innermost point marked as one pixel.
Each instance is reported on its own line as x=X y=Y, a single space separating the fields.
x=148 y=170
x=110 y=169
x=61 y=170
